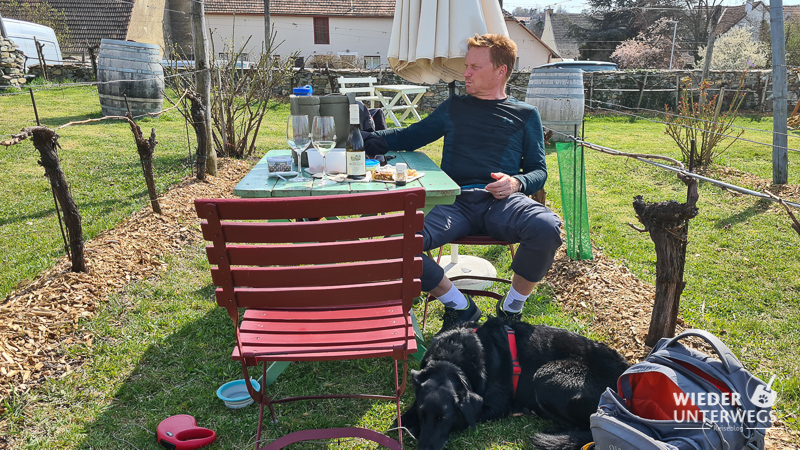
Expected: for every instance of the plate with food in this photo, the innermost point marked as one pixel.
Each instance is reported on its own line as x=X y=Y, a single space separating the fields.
x=387 y=174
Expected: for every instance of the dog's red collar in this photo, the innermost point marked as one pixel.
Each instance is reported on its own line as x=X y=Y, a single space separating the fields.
x=516 y=369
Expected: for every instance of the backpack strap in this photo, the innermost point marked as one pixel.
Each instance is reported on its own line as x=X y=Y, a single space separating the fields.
x=726 y=356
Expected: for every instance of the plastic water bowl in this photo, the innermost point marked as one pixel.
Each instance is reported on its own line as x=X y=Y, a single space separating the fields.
x=234 y=393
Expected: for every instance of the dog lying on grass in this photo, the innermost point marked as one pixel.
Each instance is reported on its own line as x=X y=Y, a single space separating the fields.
x=466 y=378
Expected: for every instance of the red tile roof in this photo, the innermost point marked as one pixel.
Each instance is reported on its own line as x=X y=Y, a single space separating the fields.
x=354 y=8
x=92 y=20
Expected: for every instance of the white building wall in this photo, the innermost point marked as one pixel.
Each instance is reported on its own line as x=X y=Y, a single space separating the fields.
x=365 y=36
x=530 y=50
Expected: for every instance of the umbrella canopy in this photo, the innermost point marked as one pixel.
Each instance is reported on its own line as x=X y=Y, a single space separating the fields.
x=429 y=37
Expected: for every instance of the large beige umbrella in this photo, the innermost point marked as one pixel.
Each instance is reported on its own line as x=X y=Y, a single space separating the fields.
x=429 y=37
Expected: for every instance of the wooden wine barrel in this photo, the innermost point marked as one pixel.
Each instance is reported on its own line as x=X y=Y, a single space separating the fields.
x=558 y=94
x=131 y=69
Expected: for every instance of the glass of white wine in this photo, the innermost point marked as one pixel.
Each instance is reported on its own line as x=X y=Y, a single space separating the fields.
x=298 y=137
x=323 y=136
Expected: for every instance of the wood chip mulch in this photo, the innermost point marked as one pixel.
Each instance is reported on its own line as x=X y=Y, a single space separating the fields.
x=39 y=319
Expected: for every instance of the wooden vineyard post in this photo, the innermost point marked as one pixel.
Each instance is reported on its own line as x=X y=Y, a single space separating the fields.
x=198 y=114
x=668 y=225
x=45 y=141
x=42 y=62
x=93 y=57
x=145 y=148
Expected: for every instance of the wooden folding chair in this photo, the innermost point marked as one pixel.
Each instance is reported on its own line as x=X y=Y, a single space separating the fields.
x=318 y=290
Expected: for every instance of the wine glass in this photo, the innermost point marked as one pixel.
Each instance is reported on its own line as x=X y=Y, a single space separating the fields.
x=298 y=137
x=323 y=136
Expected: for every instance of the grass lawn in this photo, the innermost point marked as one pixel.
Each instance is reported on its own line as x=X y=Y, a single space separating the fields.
x=162 y=346
x=102 y=169
x=742 y=256
x=101 y=166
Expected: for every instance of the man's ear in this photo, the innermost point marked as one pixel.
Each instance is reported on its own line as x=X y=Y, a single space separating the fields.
x=470 y=405
x=503 y=71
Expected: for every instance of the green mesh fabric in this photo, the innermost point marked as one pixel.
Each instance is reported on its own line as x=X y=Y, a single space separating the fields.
x=575 y=209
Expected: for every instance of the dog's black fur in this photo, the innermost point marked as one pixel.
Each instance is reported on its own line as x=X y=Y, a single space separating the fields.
x=466 y=378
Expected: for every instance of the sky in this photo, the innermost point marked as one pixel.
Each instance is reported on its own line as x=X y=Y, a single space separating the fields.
x=576 y=6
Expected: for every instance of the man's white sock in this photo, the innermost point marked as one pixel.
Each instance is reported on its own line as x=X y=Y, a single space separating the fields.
x=514 y=301
x=454 y=299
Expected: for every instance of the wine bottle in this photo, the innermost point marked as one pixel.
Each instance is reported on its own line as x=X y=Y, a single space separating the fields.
x=356 y=159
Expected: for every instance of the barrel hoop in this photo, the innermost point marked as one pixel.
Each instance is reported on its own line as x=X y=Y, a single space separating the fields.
x=130 y=99
x=128 y=43
x=533 y=83
x=126 y=49
x=569 y=79
x=119 y=69
x=557 y=96
x=561 y=122
x=124 y=58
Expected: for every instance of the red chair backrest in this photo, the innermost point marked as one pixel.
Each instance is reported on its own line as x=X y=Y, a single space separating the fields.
x=367 y=256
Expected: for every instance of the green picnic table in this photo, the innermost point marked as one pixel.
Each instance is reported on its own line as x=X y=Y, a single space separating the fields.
x=439 y=190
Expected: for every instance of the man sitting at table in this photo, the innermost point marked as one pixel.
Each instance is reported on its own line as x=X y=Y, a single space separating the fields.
x=488 y=138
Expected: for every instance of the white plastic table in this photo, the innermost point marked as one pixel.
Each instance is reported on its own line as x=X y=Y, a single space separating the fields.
x=401 y=92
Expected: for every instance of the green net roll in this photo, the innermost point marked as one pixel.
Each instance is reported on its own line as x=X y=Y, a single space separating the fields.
x=574 y=207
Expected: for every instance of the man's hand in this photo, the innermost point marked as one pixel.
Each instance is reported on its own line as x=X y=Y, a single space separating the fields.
x=504 y=186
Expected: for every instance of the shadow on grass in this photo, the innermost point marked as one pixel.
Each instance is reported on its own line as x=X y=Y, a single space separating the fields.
x=181 y=376
x=58 y=121
x=107 y=205
x=759 y=207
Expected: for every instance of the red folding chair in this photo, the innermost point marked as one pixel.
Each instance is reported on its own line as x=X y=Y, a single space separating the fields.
x=320 y=290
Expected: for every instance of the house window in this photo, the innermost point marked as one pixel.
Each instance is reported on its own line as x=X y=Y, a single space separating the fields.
x=372 y=62
x=322 y=33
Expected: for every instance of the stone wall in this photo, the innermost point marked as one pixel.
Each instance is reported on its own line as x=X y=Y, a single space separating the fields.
x=12 y=63
x=603 y=90
x=78 y=73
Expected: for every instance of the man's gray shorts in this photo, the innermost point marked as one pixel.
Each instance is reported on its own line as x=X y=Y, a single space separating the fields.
x=514 y=219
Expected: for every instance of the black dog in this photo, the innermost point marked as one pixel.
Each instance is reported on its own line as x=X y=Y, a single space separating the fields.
x=466 y=378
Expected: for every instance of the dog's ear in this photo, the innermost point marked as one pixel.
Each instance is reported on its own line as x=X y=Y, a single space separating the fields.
x=415 y=376
x=470 y=405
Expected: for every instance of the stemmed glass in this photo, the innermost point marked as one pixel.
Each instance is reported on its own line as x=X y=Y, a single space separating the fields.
x=298 y=137
x=323 y=136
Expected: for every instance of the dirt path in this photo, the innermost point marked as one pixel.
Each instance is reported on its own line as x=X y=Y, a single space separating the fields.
x=38 y=320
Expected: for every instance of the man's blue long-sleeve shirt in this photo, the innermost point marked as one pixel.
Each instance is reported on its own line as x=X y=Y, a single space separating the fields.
x=481 y=137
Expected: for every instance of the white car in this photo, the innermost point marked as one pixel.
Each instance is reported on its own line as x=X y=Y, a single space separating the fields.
x=23 y=34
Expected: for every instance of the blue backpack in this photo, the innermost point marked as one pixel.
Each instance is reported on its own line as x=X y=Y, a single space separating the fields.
x=680 y=399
